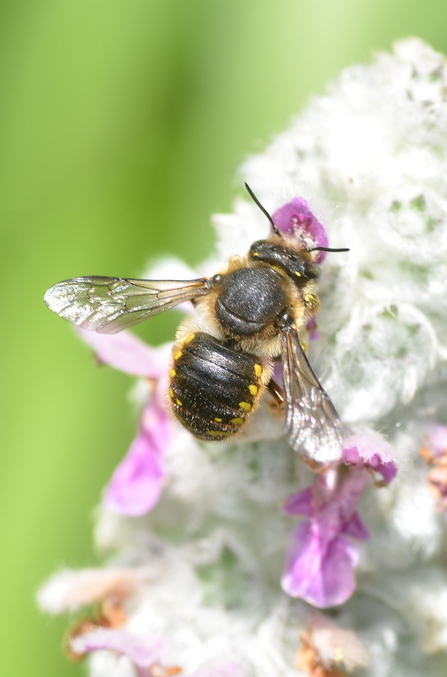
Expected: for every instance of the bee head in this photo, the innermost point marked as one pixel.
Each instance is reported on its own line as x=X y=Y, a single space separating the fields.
x=293 y=263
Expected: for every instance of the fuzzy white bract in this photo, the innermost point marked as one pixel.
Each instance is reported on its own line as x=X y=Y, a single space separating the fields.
x=370 y=158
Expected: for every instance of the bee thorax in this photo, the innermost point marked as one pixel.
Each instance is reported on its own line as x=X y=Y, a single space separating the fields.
x=250 y=299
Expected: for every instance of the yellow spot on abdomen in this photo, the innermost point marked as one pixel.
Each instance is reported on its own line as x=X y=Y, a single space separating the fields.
x=190 y=338
x=258 y=370
x=253 y=390
x=218 y=420
x=172 y=373
x=297 y=273
x=246 y=406
x=171 y=393
x=180 y=404
x=237 y=421
x=177 y=354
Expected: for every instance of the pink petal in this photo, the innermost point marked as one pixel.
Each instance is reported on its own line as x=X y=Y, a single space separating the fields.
x=356 y=528
x=142 y=651
x=348 y=493
x=438 y=440
x=371 y=451
x=125 y=352
x=320 y=563
x=318 y=571
x=300 y=503
x=295 y=218
x=138 y=481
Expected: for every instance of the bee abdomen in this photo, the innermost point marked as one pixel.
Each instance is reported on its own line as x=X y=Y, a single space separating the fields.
x=213 y=389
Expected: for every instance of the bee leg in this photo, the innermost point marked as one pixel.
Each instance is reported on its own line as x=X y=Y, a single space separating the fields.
x=277 y=394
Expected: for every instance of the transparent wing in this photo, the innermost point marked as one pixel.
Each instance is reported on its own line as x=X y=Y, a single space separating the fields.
x=110 y=304
x=312 y=424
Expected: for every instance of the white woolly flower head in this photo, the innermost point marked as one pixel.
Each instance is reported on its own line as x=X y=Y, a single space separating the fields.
x=207 y=595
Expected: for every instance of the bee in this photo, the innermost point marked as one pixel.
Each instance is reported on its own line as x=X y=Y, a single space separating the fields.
x=249 y=316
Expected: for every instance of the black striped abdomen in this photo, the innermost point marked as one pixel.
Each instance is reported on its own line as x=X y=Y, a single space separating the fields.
x=213 y=388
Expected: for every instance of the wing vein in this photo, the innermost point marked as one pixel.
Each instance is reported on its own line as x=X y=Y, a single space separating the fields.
x=110 y=304
x=312 y=424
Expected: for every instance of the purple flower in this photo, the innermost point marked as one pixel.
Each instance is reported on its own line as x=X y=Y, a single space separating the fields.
x=321 y=561
x=370 y=451
x=295 y=218
x=137 y=482
x=143 y=652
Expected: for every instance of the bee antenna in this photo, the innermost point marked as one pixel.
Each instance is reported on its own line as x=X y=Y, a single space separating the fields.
x=263 y=209
x=327 y=249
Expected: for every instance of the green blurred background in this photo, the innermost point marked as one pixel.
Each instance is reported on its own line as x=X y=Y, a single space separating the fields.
x=122 y=123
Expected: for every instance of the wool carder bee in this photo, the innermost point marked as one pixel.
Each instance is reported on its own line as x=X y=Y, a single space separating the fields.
x=249 y=315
